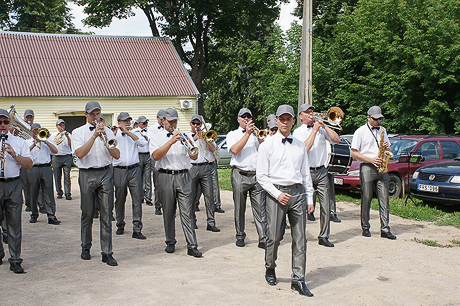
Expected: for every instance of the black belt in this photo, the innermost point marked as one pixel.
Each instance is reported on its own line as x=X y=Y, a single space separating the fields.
x=144 y=153
x=202 y=164
x=96 y=169
x=43 y=165
x=63 y=155
x=286 y=187
x=127 y=167
x=9 y=179
x=245 y=173
x=316 y=168
x=172 y=171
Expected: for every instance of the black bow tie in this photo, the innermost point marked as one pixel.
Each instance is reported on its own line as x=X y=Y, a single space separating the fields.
x=169 y=134
x=123 y=134
x=244 y=131
x=376 y=128
x=4 y=136
x=286 y=139
x=160 y=127
x=92 y=127
x=193 y=134
x=144 y=130
x=309 y=126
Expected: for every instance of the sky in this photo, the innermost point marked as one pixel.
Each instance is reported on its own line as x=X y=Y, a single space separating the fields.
x=138 y=24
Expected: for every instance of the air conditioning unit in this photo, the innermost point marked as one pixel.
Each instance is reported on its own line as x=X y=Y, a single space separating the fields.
x=186 y=104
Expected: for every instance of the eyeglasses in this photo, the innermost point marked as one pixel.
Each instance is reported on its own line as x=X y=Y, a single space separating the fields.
x=196 y=123
x=274 y=129
x=143 y=122
x=5 y=122
x=249 y=116
x=376 y=119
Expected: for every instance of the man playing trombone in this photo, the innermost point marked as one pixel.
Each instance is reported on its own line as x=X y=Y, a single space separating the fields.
x=62 y=160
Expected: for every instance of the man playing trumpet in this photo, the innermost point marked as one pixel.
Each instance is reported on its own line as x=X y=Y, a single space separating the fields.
x=62 y=160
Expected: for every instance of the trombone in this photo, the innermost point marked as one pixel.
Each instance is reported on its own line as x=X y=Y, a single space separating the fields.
x=332 y=118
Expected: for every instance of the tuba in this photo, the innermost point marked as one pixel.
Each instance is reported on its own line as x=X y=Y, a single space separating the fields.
x=19 y=127
x=332 y=118
x=384 y=154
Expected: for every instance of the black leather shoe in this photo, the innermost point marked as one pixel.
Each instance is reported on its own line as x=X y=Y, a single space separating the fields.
x=42 y=210
x=85 y=255
x=170 y=248
x=240 y=243
x=109 y=260
x=212 y=228
x=59 y=196
x=28 y=208
x=139 y=235
x=262 y=245
x=387 y=235
x=196 y=226
x=149 y=203
x=197 y=208
x=120 y=231
x=194 y=252
x=96 y=215
x=325 y=242
x=219 y=210
x=68 y=197
x=5 y=240
x=2 y=254
x=33 y=219
x=335 y=219
x=16 y=267
x=158 y=211
x=112 y=218
x=270 y=277
x=53 y=220
x=311 y=217
x=366 y=232
x=301 y=288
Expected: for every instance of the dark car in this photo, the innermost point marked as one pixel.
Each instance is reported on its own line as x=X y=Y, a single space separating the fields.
x=437 y=183
x=432 y=149
x=224 y=156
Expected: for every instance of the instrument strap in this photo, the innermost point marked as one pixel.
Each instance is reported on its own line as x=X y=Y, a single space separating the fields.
x=375 y=137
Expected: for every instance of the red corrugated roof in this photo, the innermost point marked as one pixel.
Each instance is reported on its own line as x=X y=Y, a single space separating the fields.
x=48 y=65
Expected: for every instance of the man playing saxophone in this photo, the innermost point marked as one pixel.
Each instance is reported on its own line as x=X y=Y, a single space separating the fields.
x=366 y=147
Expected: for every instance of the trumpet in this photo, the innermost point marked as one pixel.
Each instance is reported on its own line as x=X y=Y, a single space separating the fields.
x=42 y=135
x=206 y=133
x=60 y=137
x=192 y=151
x=109 y=143
x=260 y=134
x=332 y=118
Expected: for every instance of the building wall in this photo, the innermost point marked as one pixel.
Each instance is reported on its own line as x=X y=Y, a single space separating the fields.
x=47 y=110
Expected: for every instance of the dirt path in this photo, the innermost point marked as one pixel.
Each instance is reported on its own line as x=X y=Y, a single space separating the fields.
x=358 y=271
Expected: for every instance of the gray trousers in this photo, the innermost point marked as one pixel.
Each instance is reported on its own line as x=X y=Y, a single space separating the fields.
x=202 y=176
x=333 y=207
x=156 y=200
x=96 y=184
x=10 y=210
x=215 y=185
x=177 y=188
x=62 y=163
x=146 y=174
x=369 y=176
x=276 y=218
x=122 y=180
x=242 y=184
x=320 y=183
x=25 y=190
x=41 y=177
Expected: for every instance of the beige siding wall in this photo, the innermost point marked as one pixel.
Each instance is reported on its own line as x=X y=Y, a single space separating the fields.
x=48 y=110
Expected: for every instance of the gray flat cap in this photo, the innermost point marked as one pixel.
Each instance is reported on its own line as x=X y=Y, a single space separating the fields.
x=244 y=111
x=35 y=126
x=284 y=109
x=60 y=121
x=102 y=117
x=4 y=113
x=272 y=124
x=197 y=117
x=142 y=119
x=271 y=117
x=29 y=112
x=92 y=105
x=375 y=112
x=123 y=116
x=171 y=114
x=161 y=114
x=305 y=107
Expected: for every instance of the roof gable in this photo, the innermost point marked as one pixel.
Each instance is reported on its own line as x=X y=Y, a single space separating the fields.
x=49 y=65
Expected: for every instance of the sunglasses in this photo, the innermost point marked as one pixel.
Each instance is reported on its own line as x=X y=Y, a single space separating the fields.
x=196 y=123
x=376 y=119
x=143 y=122
x=249 y=116
x=5 y=122
x=274 y=129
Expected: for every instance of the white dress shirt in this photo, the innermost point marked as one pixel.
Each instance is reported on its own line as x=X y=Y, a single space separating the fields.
x=129 y=153
x=40 y=155
x=63 y=148
x=247 y=158
x=176 y=158
x=142 y=149
x=204 y=155
x=283 y=164
x=21 y=148
x=317 y=155
x=99 y=155
x=366 y=140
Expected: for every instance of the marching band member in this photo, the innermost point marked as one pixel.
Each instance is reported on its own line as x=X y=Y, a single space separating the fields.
x=41 y=176
x=243 y=145
x=62 y=160
x=127 y=174
x=201 y=172
x=314 y=134
x=283 y=171
x=14 y=154
x=365 y=147
x=173 y=162
x=272 y=128
x=144 y=161
x=95 y=180
x=29 y=117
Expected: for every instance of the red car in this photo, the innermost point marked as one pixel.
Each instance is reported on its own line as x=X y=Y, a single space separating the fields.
x=431 y=149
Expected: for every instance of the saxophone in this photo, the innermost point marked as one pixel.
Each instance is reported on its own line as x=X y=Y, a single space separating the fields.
x=384 y=153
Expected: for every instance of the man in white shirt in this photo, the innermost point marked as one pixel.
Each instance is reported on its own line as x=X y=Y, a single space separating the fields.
x=283 y=171
x=29 y=117
x=365 y=147
x=173 y=162
x=41 y=176
x=314 y=134
x=144 y=161
x=127 y=174
x=152 y=130
x=62 y=160
x=243 y=145
x=201 y=172
x=16 y=154
x=94 y=159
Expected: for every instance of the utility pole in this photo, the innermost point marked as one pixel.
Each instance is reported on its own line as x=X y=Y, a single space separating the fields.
x=305 y=79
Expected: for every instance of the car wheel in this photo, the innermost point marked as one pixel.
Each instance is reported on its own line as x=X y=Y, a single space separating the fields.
x=395 y=187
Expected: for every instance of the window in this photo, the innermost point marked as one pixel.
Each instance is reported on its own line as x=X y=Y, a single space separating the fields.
x=450 y=149
x=429 y=150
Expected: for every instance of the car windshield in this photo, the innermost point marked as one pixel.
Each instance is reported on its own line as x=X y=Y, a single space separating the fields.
x=220 y=138
x=402 y=146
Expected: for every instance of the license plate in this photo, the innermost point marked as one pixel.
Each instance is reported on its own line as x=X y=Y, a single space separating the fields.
x=338 y=181
x=429 y=188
